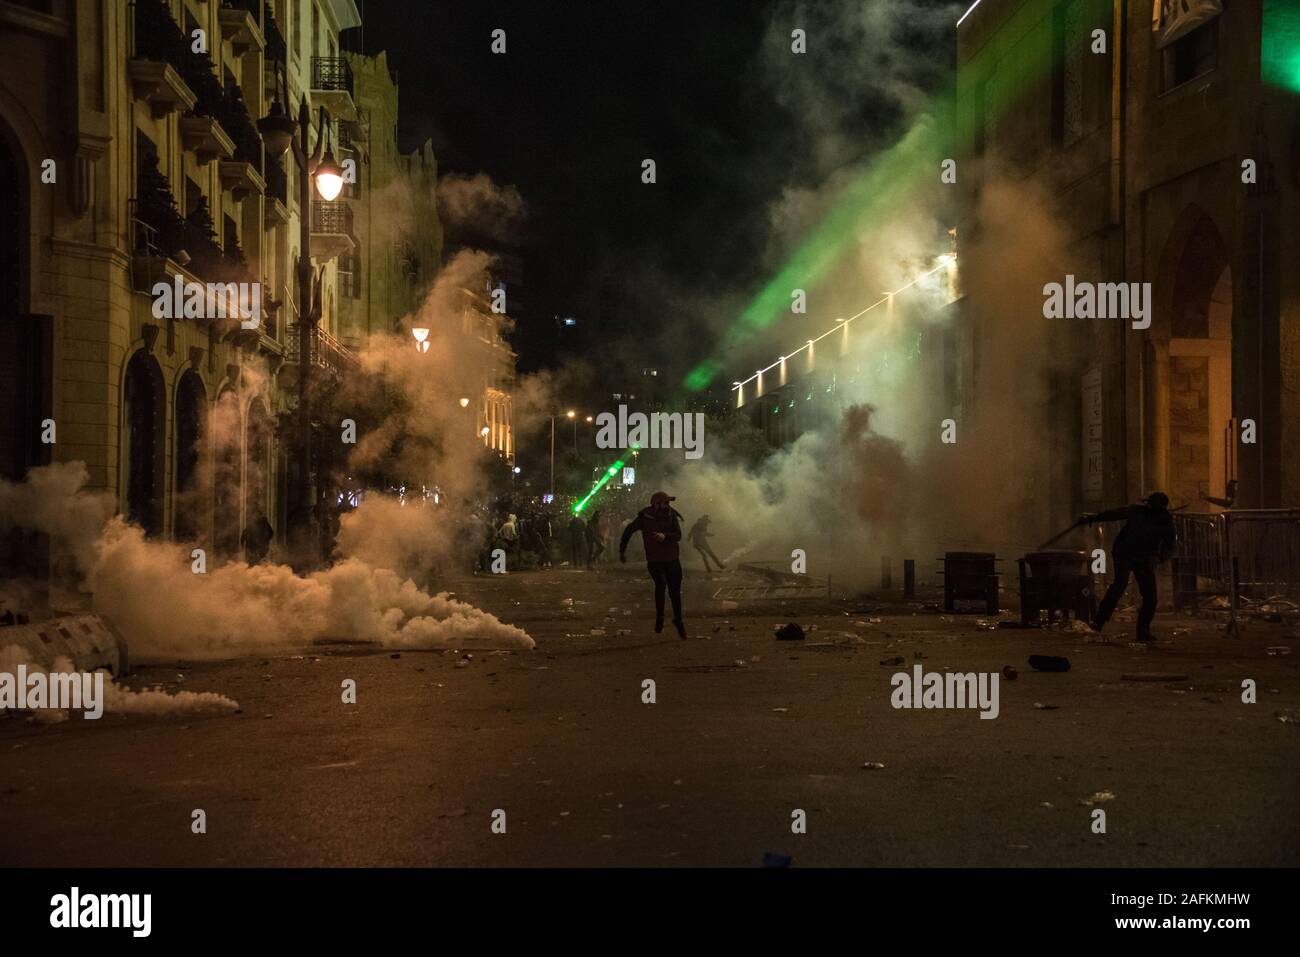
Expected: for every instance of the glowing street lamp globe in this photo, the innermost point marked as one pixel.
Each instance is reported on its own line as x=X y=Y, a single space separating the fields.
x=329 y=178
x=464 y=402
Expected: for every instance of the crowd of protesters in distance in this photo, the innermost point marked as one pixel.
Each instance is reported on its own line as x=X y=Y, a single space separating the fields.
x=537 y=534
x=531 y=532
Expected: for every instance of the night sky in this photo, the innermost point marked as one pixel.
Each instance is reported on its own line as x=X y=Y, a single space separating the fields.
x=588 y=90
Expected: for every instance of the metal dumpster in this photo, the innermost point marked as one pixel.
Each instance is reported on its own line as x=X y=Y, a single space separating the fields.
x=1056 y=581
x=970 y=576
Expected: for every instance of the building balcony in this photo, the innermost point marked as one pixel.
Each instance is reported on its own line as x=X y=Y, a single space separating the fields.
x=332 y=87
x=332 y=232
x=239 y=26
x=327 y=353
x=204 y=137
x=159 y=85
x=241 y=179
x=275 y=213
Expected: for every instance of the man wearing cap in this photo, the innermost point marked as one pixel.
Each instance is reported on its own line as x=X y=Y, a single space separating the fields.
x=1146 y=539
x=660 y=530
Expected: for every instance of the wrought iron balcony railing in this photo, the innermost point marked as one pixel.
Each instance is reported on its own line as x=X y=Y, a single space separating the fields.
x=326 y=352
x=331 y=73
x=335 y=217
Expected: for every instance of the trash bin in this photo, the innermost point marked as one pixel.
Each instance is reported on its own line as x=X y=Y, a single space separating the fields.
x=970 y=576
x=1056 y=581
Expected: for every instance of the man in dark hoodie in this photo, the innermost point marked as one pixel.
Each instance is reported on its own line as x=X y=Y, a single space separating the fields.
x=1146 y=539
x=661 y=530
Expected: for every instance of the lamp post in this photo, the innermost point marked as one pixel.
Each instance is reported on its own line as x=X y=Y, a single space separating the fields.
x=571 y=414
x=277 y=131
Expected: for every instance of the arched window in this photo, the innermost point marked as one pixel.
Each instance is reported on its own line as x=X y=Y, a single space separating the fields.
x=191 y=406
x=144 y=417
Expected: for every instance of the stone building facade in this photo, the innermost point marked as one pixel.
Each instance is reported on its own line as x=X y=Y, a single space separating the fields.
x=130 y=156
x=1170 y=157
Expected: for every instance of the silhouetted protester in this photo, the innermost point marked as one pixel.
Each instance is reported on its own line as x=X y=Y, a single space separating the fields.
x=577 y=541
x=699 y=536
x=257 y=540
x=539 y=538
x=661 y=530
x=595 y=537
x=1146 y=539
x=508 y=535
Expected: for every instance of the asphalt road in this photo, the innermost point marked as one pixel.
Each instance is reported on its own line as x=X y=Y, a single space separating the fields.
x=745 y=730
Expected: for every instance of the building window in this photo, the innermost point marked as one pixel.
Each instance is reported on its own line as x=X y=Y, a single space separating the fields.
x=1190 y=56
x=350 y=275
x=295 y=26
x=146 y=157
x=193 y=194
x=231 y=235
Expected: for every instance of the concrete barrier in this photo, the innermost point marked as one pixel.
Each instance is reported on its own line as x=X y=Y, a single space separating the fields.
x=88 y=641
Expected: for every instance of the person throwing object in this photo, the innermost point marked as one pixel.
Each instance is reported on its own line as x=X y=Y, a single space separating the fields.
x=1146 y=539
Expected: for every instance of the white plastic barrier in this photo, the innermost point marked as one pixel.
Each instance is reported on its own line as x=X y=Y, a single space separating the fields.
x=88 y=641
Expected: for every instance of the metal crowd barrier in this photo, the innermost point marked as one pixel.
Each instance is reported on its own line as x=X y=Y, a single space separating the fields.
x=1240 y=553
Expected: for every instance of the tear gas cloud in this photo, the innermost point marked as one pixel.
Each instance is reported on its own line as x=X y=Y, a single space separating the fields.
x=872 y=478
x=411 y=427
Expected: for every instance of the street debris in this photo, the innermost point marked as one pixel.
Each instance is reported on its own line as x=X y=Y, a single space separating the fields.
x=1049 y=663
x=896 y=660
x=1097 y=798
x=1046 y=707
x=790 y=632
x=873 y=766
x=1010 y=673
x=1277 y=651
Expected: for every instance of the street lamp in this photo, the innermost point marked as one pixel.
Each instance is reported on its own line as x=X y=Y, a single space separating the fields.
x=421 y=339
x=329 y=178
x=277 y=130
x=464 y=402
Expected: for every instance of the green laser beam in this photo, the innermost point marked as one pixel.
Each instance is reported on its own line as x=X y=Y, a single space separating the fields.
x=998 y=83
x=610 y=472
x=882 y=185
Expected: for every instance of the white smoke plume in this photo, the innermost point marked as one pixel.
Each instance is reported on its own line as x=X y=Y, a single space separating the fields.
x=121 y=700
x=148 y=589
